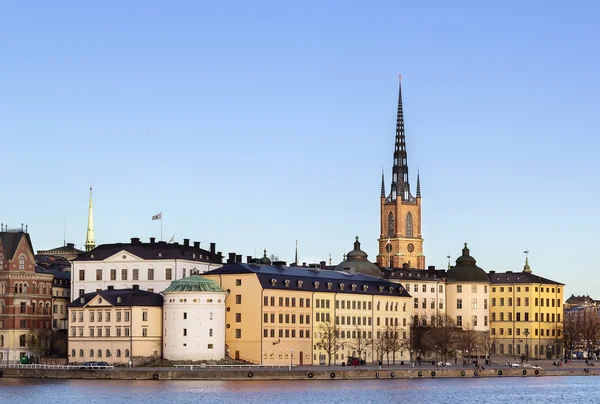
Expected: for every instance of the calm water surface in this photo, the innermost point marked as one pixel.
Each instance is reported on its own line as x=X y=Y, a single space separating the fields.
x=572 y=390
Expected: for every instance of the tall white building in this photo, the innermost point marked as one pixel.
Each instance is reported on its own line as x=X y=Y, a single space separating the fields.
x=152 y=266
x=194 y=320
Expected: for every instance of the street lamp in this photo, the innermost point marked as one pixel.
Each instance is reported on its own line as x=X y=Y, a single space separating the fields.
x=476 y=357
x=291 y=357
x=526 y=332
x=467 y=352
x=436 y=362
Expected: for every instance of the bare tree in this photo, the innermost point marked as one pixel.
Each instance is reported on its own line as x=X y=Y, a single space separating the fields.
x=395 y=341
x=38 y=341
x=571 y=330
x=442 y=336
x=360 y=342
x=381 y=346
x=590 y=329
x=466 y=340
x=329 y=339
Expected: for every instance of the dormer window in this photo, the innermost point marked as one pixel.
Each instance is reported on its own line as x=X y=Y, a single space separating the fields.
x=353 y=287
x=159 y=255
x=391 y=289
x=342 y=286
x=317 y=285
x=365 y=287
x=119 y=299
x=380 y=289
x=329 y=285
x=300 y=283
x=287 y=283
x=273 y=282
x=82 y=300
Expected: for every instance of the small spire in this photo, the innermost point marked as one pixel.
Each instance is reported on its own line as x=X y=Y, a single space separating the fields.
x=526 y=268
x=296 y=257
x=448 y=256
x=90 y=242
x=418 y=184
x=265 y=253
x=382 y=184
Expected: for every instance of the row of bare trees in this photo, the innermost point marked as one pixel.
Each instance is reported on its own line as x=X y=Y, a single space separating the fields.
x=581 y=330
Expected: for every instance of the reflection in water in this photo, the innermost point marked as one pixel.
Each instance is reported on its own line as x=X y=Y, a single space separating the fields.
x=492 y=390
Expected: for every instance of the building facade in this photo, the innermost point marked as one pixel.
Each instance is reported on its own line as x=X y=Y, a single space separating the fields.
x=152 y=266
x=194 y=320
x=400 y=238
x=280 y=315
x=25 y=299
x=526 y=314
x=116 y=326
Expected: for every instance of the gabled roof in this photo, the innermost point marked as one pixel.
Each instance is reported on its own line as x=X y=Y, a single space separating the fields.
x=128 y=297
x=519 y=277
x=58 y=274
x=150 y=251
x=10 y=242
x=301 y=278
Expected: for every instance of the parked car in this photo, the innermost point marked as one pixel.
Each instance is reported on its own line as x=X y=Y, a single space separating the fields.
x=512 y=365
x=444 y=364
x=92 y=365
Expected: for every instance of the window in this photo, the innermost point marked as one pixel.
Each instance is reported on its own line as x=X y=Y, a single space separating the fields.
x=424 y=288
x=238 y=282
x=118 y=316
x=238 y=299
x=23 y=307
x=416 y=303
x=91 y=332
x=184 y=316
x=485 y=289
x=118 y=332
x=107 y=331
x=458 y=288
x=474 y=303
x=238 y=317
x=150 y=274
x=113 y=274
x=82 y=275
x=126 y=316
x=459 y=303
x=501 y=301
x=98 y=274
x=168 y=274
x=22 y=262
x=459 y=321
x=474 y=321
x=210 y=332
x=124 y=274
x=144 y=332
x=473 y=288
x=409 y=225
x=136 y=274
x=391 y=232
x=441 y=288
x=145 y=316
x=238 y=333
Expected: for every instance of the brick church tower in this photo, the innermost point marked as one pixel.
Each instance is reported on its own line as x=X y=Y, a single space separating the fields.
x=400 y=239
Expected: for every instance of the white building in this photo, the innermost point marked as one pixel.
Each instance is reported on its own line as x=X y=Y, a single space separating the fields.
x=194 y=320
x=152 y=266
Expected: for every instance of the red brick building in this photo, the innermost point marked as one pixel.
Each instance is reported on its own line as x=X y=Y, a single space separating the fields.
x=25 y=299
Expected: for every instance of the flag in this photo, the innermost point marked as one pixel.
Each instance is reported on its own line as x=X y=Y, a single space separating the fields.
x=157 y=217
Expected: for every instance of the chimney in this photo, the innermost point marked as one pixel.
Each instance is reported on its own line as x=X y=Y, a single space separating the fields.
x=238 y=258
x=135 y=287
x=249 y=259
x=196 y=244
x=70 y=245
x=152 y=240
x=220 y=257
x=213 y=247
x=405 y=266
x=135 y=240
x=280 y=264
x=186 y=242
x=231 y=259
x=492 y=272
x=323 y=264
x=111 y=287
x=431 y=267
x=304 y=264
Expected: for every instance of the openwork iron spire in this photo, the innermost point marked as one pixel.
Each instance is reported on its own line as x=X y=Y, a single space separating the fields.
x=400 y=183
x=382 y=184
x=418 y=184
x=90 y=242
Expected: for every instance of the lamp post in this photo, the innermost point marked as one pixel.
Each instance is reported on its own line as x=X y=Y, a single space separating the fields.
x=467 y=352
x=526 y=332
x=291 y=358
x=476 y=357
x=436 y=362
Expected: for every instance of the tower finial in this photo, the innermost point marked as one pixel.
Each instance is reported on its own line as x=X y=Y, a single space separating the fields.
x=296 y=256
x=526 y=268
x=90 y=242
x=400 y=182
x=418 y=184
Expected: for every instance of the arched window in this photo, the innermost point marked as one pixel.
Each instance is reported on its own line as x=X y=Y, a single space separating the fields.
x=518 y=349
x=1 y=261
x=91 y=353
x=22 y=263
x=501 y=349
x=1 y=340
x=99 y=353
x=535 y=350
x=72 y=353
x=118 y=353
x=22 y=340
x=108 y=353
x=127 y=353
x=20 y=288
x=16 y=288
x=409 y=225
x=510 y=349
x=81 y=353
x=1 y=306
x=391 y=232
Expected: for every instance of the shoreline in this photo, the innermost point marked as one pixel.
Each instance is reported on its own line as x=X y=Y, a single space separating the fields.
x=295 y=374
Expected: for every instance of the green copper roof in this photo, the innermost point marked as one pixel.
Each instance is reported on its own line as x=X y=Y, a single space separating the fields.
x=194 y=283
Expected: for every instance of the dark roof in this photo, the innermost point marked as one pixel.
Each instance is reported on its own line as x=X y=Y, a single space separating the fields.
x=413 y=274
x=580 y=300
x=52 y=262
x=151 y=251
x=70 y=248
x=357 y=260
x=58 y=274
x=519 y=277
x=466 y=269
x=267 y=273
x=129 y=297
x=10 y=241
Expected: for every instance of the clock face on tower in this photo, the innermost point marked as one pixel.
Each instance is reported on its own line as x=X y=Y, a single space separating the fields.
x=410 y=247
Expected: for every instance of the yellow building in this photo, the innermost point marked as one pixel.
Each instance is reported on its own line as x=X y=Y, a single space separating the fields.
x=525 y=314
x=277 y=314
x=400 y=239
x=115 y=326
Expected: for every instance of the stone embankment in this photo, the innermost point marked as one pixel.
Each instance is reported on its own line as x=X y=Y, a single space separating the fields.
x=279 y=374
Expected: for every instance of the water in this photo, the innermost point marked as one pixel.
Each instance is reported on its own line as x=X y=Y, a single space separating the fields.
x=573 y=390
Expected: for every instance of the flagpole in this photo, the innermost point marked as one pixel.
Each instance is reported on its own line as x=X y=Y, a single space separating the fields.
x=161 y=234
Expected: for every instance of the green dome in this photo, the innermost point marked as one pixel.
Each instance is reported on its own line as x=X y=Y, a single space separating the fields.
x=466 y=269
x=194 y=283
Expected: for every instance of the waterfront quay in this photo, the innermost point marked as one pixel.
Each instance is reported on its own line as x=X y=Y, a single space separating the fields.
x=250 y=372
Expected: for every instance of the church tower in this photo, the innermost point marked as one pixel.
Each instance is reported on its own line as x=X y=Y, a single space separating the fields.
x=400 y=239
x=90 y=242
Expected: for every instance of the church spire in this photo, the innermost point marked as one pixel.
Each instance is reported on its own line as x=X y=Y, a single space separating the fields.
x=400 y=183
x=90 y=242
x=382 y=184
x=418 y=184
x=526 y=268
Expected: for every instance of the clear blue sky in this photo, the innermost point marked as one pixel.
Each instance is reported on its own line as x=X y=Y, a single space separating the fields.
x=253 y=124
